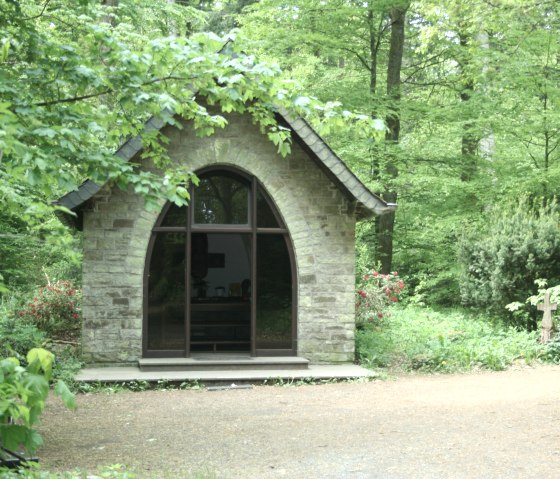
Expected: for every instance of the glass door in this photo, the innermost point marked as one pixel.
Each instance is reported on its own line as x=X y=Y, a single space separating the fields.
x=220 y=301
x=220 y=274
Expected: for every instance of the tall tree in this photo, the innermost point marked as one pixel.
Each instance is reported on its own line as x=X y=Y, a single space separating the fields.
x=359 y=46
x=386 y=223
x=78 y=78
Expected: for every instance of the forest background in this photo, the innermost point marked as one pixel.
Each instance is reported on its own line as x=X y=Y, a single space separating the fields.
x=468 y=92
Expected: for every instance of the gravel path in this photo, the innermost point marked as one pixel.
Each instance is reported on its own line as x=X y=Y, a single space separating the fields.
x=484 y=425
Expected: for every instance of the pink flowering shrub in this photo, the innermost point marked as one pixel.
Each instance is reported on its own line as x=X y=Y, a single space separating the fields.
x=55 y=309
x=375 y=294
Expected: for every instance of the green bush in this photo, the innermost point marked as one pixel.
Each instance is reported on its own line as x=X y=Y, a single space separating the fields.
x=376 y=293
x=502 y=261
x=425 y=340
x=54 y=309
x=67 y=364
x=24 y=392
x=552 y=350
x=17 y=337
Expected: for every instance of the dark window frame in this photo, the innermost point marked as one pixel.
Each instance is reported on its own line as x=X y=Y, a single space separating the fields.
x=252 y=229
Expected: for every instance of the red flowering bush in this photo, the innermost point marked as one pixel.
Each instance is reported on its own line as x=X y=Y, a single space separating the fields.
x=375 y=294
x=55 y=309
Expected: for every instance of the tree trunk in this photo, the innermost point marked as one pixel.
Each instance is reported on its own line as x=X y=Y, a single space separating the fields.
x=386 y=222
x=109 y=18
x=469 y=139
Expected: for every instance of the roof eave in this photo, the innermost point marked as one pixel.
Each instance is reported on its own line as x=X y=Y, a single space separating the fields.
x=369 y=203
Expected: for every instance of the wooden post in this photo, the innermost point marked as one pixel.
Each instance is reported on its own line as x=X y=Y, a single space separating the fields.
x=547 y=309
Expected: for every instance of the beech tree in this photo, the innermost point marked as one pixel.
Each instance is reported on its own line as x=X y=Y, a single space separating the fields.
x=325 y=43
x=78 y=78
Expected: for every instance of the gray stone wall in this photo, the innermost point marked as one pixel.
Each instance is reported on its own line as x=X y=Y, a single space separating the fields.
x=117 y=230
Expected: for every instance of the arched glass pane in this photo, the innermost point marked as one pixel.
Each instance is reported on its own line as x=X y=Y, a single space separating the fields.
x=274 y=293
x=175 y=216
x=221 y=199
x=265 y=216
x=166 y=292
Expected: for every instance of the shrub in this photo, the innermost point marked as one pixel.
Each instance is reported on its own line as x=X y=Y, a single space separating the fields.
x=375 y=294
x=54 y=309
x=430 y=341
x=501 y=262
x=18 y=337
x=552 y=350
x=24 y=392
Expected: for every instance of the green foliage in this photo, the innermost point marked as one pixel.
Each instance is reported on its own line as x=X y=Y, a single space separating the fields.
x=33 y=244
x=17 y=337
x=514 y=246
x=376 y=293
x=479 y=110
x=54 y=309
x=23 y=393
x=68 y=363
x=80 y=78
x=447 y=341
x=552 y=350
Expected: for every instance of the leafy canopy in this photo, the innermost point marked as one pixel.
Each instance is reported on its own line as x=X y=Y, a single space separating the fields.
x=80 y=78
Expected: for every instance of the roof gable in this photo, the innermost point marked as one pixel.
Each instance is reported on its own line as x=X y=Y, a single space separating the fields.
x=366 y=203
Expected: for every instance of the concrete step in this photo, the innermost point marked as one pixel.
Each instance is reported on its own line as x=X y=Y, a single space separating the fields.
x=213 y=362
x=315 y=372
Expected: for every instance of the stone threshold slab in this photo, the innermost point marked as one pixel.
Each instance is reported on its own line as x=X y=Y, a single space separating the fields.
x=216 y=362
x=133 y=373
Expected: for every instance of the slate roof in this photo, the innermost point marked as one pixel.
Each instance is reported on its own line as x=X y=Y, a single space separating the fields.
x=367 y=203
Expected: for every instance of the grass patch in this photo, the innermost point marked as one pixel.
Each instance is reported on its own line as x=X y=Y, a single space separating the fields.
x=417 y=339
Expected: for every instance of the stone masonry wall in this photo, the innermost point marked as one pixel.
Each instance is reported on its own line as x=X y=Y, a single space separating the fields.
x=117 y=230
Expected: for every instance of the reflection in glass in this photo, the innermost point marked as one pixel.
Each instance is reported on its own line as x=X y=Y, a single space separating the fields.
x=221 y=199
x=175 y=216
x=265 y=216
x=274 y=293
x=166 y=292
x=220 y=292
x=220 y=283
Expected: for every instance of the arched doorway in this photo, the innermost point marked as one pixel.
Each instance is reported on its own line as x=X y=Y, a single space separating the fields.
x=219 y=274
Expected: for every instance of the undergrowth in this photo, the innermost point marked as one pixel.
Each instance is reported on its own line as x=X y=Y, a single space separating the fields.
x=415 y=339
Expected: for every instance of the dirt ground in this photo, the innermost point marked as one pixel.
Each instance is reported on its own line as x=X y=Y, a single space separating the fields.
x=483 y=425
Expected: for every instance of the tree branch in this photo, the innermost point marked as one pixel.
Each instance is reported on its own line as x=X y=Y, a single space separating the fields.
x=40 y=14
x=105 y=92
x=359 y=56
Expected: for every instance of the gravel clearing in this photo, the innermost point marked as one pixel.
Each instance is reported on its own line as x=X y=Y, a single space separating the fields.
x=482 y=425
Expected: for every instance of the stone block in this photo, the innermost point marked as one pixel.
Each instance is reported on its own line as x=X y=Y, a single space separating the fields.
x=131 y=334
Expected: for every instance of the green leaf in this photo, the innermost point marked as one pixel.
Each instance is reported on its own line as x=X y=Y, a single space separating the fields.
x=13 y=435
x=69 y=399
x=284 y=148
x=33 y=176
x=5 y=51
x=36 y=384
x=48 y=132
x=39 y=358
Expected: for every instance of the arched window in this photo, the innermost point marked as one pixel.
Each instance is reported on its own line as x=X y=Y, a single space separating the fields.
x=219 y=273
